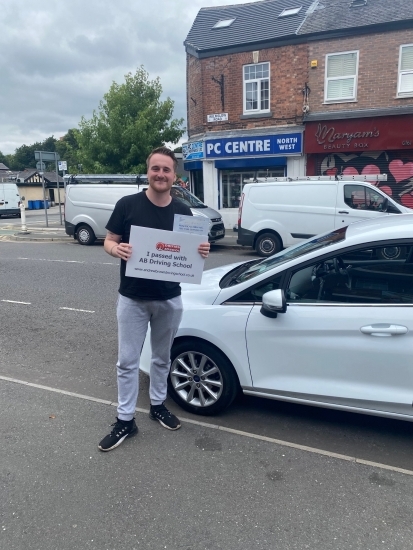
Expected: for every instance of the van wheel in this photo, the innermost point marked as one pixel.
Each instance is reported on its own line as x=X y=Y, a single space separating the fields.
x=267 y=244
x=391 y=253
x=85 y=235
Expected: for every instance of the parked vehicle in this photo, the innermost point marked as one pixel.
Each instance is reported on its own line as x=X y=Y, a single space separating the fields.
x=9 y=199
x=276 y=212
x=324 y=322
x=90 y=202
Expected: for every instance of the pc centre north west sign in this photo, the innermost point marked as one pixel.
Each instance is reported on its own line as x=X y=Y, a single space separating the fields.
x=253 y=146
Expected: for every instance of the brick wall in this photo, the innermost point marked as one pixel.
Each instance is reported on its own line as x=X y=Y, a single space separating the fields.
x=377 y=72
x=288 y=74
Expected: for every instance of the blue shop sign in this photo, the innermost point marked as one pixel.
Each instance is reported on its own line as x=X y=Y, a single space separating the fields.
x=253 y=146
x=193 y=150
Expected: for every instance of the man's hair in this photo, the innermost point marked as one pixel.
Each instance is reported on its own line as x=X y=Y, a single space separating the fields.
x=163 y=151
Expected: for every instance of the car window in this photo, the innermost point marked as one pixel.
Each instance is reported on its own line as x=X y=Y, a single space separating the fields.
x=359 y=197
x=188 y=198
x=285 y=255
x=378 y=275
x=255 y=293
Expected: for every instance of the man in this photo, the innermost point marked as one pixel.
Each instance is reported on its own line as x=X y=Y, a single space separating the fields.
x=143 y=301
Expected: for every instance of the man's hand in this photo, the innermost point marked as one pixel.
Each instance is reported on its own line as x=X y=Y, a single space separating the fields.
x=115 y=248
x=203 y=249
x=124 y=251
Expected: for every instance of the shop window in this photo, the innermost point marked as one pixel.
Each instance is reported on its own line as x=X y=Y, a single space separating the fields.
x=256 y=88
x=232 y=184
x=405 y=87
x=198 y=184
x=341 y=77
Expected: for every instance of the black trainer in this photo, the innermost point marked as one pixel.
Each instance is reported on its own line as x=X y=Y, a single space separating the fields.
x=164 y=417
x=122 y=429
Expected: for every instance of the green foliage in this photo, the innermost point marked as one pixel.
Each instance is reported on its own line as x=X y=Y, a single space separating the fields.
x=4 y=159
x=130 y=122
x=68 y=148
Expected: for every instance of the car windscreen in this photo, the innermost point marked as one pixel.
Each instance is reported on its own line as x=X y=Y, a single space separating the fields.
x=316 y=243
x=188 y=198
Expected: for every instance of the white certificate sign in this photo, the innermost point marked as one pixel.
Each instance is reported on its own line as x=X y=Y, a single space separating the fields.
x=191 y=224
x=165 y=255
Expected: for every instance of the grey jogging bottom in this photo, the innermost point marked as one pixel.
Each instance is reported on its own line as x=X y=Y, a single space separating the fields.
x=134 y=316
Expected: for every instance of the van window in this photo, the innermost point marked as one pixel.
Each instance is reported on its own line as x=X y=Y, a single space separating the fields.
x=359 y=197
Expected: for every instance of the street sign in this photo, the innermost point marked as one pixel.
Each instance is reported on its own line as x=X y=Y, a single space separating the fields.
x=62 y=165
x=46 y=155
x=40 y=165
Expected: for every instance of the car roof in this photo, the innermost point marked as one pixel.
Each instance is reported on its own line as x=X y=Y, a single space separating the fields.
x=393 y=226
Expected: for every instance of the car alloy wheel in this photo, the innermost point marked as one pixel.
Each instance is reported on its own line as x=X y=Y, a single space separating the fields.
x=202 y=380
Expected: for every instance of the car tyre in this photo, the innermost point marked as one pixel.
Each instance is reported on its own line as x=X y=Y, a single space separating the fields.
x=202 y=380
x=85 y=235
x=267 y=244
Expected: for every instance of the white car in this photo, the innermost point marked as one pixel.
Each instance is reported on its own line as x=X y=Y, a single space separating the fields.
x=327 y=322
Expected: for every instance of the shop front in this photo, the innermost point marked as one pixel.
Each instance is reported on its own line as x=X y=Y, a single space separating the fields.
x=379 y=145
x=227 y=162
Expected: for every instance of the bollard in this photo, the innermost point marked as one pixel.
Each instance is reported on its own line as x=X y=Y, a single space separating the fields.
x=23 y=217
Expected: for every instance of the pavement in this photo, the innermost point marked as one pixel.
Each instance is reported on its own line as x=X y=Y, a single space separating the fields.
x=203 y=487
x=37 y=231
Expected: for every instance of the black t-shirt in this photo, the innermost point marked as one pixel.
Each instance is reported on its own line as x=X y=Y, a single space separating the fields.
x=139 y=210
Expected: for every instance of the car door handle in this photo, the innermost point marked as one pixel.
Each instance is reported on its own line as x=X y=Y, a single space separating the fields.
x=384 y=329
x=343 y=211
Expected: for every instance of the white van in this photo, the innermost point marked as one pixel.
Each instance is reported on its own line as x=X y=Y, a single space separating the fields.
x=88 y=207
x=277 y=214
x=9 y=200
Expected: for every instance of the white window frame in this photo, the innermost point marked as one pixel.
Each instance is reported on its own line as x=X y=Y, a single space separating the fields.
x=258 y=81
x=401 y=73
x=327 y=80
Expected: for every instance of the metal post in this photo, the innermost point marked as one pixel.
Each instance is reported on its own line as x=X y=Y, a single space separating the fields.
x=23 y=217
x=44 y=192
x=58 y=189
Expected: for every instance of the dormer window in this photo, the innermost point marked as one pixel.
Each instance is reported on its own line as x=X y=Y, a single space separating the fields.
x=222 y=23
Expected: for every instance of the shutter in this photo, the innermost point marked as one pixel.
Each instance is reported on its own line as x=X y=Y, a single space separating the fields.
x=342 y=65
x=406 y=83
x=340 y=89
x=406 y=63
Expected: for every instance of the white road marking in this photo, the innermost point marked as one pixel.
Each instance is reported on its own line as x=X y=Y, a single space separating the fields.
x=16 y=302
x=68 y=261
x=347 y=458
x=81 y=310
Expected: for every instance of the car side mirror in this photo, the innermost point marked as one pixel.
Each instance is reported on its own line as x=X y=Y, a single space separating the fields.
x=273 y=303
x=384 y=205
x=23 y=198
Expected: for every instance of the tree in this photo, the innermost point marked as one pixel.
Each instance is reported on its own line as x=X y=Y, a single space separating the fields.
x=130 y=122
x=4 y=159
x=68 y=149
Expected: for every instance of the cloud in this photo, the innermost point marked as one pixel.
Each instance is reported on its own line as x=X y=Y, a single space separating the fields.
x=59 y=57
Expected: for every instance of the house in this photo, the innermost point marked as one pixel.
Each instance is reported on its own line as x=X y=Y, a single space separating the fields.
x=275 y=87
x=29 y=183
x=246 y=71
x=360 y=116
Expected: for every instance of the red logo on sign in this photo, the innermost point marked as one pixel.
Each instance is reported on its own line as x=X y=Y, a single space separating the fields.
x=168 y=247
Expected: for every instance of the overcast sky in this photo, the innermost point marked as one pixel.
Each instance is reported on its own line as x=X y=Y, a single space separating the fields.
x=58 y=58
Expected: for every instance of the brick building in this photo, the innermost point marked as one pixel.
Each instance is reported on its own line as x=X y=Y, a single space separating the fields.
x=259 y=74
x=360 y=116
x=246 y=71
